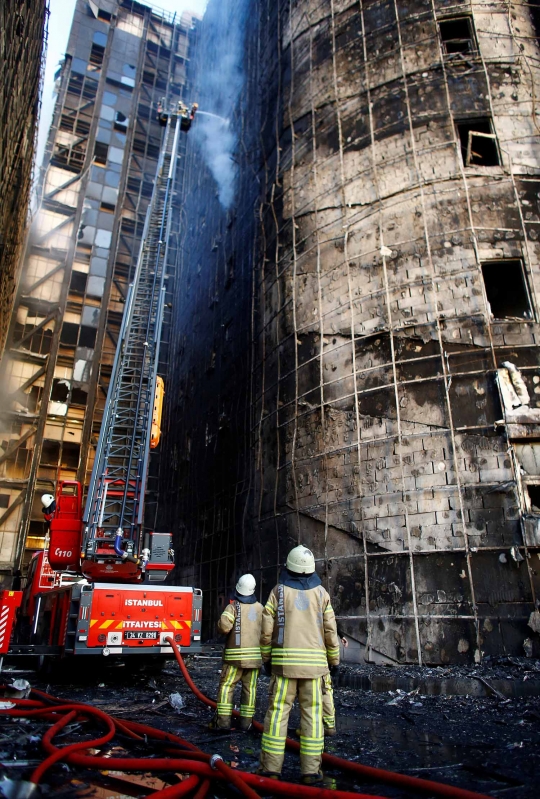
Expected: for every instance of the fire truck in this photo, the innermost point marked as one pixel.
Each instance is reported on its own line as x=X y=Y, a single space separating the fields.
x=98 y=589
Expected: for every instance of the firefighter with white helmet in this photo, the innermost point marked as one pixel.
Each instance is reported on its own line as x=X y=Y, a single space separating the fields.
x=299 y=646
x=241 y=623
x=49 y=506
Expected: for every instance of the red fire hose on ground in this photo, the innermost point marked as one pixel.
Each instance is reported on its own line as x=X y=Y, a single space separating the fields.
x=200 y=768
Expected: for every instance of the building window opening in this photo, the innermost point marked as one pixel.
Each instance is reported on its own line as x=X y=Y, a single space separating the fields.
x=79 y=397
x=533 y=492
x=457 y=35
x=101 y=152
x=60 y=390
x=70 y=455
x=534 y=10
x=96 y=55
x=87 y=337
x=104 y=15
x=50 y=453
x=478 y=142
x=78 y=282
x=69 y=333
x=506 y=289
x=121 y=122
x=4 y=500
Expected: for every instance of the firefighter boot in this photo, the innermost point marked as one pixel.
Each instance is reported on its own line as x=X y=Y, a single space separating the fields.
x=271 y=775
x=220 y=723
x=313 y=779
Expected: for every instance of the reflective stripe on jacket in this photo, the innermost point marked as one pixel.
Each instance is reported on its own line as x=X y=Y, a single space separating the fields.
x=241 y=623
x=299 y=632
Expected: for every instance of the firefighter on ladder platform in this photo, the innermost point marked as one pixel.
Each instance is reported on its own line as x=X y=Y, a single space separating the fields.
x=49 y=507
x=241 y=623
x=185 y=114
x=299 y=646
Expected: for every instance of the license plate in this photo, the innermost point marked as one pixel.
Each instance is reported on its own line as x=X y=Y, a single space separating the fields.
x=130 y=636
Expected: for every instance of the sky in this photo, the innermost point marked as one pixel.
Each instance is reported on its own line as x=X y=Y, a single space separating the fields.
x=59 y=27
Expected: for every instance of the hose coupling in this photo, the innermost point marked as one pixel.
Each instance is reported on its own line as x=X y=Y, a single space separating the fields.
x=213 y=761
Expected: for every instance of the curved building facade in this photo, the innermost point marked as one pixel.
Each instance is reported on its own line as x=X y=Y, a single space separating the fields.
x=385 y=406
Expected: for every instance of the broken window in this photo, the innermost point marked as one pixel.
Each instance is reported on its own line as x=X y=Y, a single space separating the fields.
x=533 y=496
x=101 y=152
x=457 y=35
x=506 y=289
x=60 y=390
x=121 y=122
x=87 y=337
x=478 y=142
x=70 y=455
x=50 y=453
x=78 y=282
x=69 y=333
x=96 y=55
x=79 y=397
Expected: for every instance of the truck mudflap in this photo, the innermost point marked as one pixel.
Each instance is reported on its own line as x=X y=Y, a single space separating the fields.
x=9 y=602
x=120 y=619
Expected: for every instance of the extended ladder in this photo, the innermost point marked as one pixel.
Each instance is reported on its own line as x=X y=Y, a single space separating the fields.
x=113 y=516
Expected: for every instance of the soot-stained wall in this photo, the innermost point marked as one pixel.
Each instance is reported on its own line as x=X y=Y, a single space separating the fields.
x=341 y=328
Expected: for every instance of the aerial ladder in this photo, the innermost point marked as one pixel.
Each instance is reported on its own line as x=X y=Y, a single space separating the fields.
x=113 y=600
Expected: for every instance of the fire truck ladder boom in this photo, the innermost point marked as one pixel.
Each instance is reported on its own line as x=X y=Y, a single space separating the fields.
x=113 y=516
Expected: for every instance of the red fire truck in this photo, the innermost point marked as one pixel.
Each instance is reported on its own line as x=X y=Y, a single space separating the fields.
x=98 y=589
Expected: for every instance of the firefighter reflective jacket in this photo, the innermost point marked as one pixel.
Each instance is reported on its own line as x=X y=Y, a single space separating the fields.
x=241 y=622
x=299 y=630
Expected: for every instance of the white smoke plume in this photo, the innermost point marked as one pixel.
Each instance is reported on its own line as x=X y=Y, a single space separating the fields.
x=220 y=79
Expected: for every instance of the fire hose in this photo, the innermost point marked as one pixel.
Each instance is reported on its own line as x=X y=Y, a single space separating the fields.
x=203 y=769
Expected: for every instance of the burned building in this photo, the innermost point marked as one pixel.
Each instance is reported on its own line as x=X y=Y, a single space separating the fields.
x=23 y=28
x=123 y=59
x=355 y=351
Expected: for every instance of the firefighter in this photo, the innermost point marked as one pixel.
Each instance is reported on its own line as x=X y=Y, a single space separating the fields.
x=299 y=646
x=241 y=623
x=48 y=509
x=329 y=710
x=186 y=115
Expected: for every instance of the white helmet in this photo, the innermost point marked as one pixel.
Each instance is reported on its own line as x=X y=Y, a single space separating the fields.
x=246 y=585
x=46 y=500
x=300 y=560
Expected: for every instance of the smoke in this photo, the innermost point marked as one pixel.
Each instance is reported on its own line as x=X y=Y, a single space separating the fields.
x=220 y=81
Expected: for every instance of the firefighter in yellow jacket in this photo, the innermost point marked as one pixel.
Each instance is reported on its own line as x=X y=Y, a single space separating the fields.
x=299 y=645
x=241 y=623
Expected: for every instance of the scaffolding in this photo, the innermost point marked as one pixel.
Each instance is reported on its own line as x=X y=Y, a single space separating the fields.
x=392 y=160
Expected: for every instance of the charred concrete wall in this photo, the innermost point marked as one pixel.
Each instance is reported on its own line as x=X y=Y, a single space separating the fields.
x=343 y=391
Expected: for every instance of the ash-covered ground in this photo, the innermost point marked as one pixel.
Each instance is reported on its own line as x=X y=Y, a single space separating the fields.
x=490 y=744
